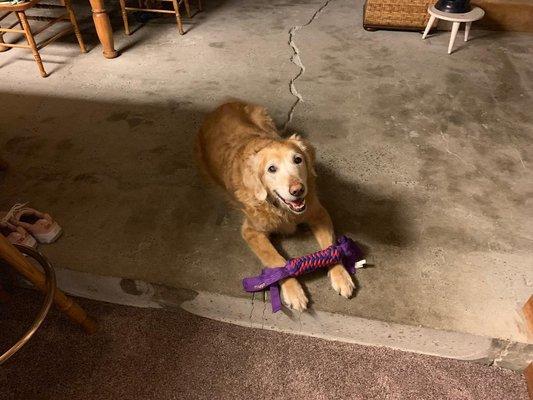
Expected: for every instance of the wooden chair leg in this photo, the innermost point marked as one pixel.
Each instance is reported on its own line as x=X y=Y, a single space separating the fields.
x=187 y=8
x=178 y=16
x=16 y=260
x=31 y=41
x=528 y=374
x=125 y=16
x=3 y=48
x=200 y=7
x=75 y=25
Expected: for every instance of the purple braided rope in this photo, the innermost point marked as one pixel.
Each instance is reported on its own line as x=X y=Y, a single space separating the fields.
x=312 y=262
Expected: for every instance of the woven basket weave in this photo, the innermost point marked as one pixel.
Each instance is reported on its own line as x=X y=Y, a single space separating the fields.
x=396 y=14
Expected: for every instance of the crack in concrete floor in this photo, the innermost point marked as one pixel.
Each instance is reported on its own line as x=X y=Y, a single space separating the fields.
x=296 y=60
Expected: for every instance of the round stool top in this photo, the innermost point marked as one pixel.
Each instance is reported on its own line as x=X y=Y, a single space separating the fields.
x=473 y=15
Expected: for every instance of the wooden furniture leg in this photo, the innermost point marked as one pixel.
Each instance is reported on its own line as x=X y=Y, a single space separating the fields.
x=178 y=16
x=103 y=28
x=528 y=374
x=528 y=313
x=187 y=8
x=467 y=30
x=75 y=25
x=429 y=25
x=125 y=16
x=21 y=15
x=16 y=260
x=3 y=48
x=455 y=28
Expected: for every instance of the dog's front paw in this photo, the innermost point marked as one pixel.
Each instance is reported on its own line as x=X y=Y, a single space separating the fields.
x=293 y=295
x=341 y=281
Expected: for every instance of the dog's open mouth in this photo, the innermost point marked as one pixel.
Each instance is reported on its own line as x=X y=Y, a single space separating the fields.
x=297 y=206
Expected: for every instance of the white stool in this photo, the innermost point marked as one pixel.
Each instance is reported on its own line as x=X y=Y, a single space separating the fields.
x=469 y=17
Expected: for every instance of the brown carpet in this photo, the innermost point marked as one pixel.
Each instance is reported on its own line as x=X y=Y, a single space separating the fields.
x=170 y=354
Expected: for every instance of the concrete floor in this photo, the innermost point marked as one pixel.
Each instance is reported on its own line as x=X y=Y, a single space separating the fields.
x=424 y=158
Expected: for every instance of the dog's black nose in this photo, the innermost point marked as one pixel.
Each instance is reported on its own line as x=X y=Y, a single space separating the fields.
x=297 y=189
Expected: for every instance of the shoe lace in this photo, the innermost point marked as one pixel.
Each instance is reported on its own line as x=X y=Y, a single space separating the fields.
x=11 y=213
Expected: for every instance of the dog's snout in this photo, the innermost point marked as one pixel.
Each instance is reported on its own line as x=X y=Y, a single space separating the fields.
x=297 y=189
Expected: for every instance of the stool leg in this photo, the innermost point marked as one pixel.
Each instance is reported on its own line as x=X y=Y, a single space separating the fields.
x=428 y=26
x=125 y=16
x=75 y=25
x=467 y=30
x=178 y=16
x=455 y=28
x=31 y=41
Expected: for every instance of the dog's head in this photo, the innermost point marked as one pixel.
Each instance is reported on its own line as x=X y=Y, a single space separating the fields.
x=283 y=171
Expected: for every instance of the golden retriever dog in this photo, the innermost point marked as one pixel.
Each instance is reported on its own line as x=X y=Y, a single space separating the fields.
x=272 y=179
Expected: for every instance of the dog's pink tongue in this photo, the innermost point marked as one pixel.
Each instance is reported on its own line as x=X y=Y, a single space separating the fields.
x=298 y=202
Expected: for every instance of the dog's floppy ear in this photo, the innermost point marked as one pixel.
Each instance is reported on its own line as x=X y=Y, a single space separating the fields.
x=308 y=150
x=251 y=177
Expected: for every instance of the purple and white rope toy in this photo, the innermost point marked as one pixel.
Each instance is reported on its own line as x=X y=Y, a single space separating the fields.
x=345 y=251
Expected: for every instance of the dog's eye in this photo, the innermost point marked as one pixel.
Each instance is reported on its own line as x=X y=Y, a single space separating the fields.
x=298 y=159
x=272 y=169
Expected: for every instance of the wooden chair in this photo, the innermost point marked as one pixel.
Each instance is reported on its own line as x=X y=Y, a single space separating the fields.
x=22 y=19
x=148 y=7
x=45 y=282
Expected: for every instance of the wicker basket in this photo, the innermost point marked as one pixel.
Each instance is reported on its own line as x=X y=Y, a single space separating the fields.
x=396 y=14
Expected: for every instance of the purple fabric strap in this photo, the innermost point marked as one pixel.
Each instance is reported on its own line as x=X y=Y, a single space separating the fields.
x=269 y=277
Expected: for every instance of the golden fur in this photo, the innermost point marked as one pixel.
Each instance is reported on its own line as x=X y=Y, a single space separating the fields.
x=237 y=147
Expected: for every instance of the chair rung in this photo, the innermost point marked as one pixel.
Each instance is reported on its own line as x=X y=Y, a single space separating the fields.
x=149 y=10
x=38 y=18
x=22 y=46
x=48 y=6
x=52 y=21
x=11 y=30
x=55 y=37
x=14 y=24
